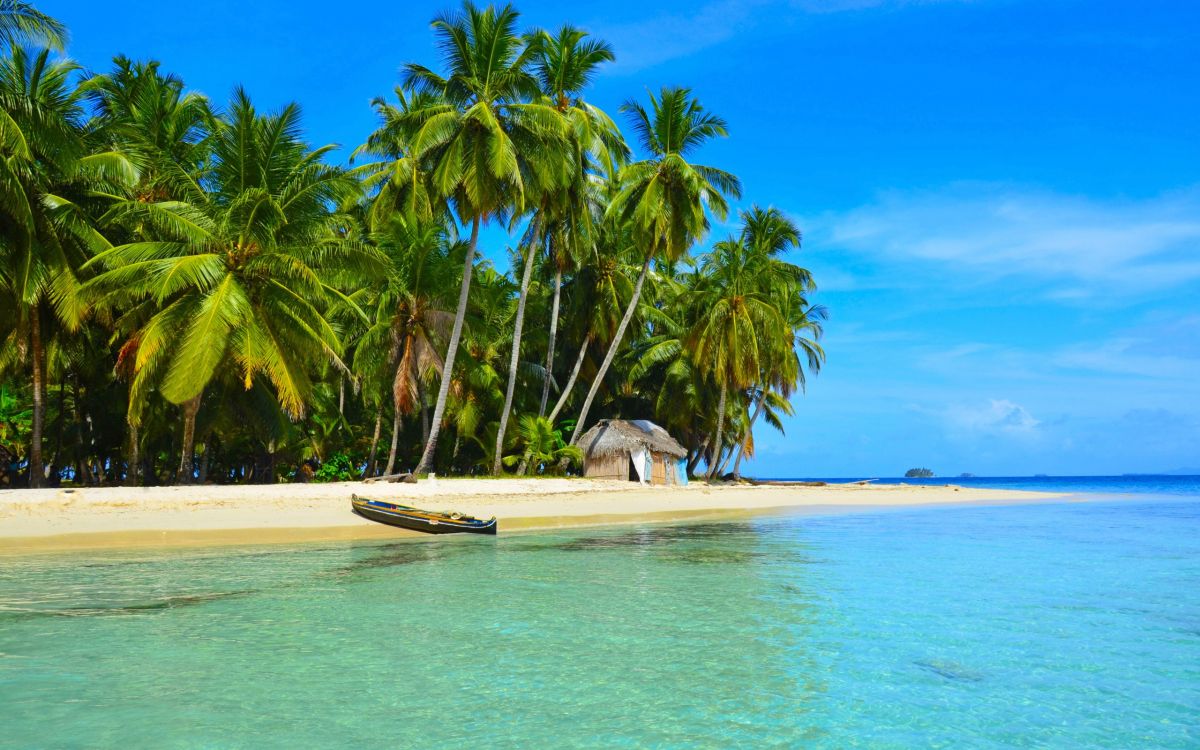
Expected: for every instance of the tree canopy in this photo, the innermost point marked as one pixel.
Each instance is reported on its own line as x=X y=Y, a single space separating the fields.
x=192 y=291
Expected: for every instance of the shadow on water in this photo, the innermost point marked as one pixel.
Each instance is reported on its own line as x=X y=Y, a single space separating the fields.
x=393 y=555
x=137 y=608
x=950 y=670
x=689 y=544
x=410 y=553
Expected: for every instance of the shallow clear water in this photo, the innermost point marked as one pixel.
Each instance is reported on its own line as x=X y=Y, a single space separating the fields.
x=1068 y=625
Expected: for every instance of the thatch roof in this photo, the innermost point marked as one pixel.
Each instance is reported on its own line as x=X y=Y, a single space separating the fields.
x=610 y=437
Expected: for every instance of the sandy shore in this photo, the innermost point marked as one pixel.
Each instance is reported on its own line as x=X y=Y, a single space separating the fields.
x=91 y=518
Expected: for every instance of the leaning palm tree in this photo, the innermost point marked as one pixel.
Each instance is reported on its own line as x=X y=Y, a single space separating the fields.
x=47 y=181
x=235 y=275
x=22 y=25
x=663 y=198
x=485 y=146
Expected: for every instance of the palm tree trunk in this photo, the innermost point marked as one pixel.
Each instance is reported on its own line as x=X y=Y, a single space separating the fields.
x=374 y=442
x=36 y=471
x=570 y=385
x=82 y=470
x=395 y=441
x=131 y=471
x=424 y=411
x=514 y=359
x=581 y=423
x=204 y=460
x=726 y=457
x=550 y=344
x=186 y=454
x=439 y=409
x=712 y=470
x=60 y=428
x=749 y=433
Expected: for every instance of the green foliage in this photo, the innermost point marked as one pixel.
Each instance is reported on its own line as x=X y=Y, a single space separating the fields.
x=541 y=448
x=192 y=292
x=337 y=468
x=16 y=419
x=918 y=473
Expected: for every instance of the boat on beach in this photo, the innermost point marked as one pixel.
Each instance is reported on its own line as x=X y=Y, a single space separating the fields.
x=415 y=519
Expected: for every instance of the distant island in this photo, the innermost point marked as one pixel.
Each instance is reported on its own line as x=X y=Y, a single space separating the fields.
x=966 y=475
x=918 y=474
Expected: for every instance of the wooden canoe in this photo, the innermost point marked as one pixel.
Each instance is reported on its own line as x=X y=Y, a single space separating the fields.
x=425 y=521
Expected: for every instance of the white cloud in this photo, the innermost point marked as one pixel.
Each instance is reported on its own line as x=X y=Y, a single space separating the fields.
x=996 y=417
x=1076 y=248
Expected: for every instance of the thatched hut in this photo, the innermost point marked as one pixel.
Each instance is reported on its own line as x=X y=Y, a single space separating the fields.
x=637 y=450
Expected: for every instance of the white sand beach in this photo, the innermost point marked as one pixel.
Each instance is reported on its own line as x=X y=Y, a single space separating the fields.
x=108 y=517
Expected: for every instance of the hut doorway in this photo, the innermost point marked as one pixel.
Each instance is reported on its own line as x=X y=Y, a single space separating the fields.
x=640 y=461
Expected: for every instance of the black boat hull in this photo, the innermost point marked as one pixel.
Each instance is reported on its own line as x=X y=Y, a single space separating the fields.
x=414 y=519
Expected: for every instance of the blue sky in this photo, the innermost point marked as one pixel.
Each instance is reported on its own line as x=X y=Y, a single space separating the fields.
x=1000 y=198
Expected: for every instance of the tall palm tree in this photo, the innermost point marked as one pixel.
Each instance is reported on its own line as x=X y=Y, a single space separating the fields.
x=146 y=115
x=47 y=180
x=565 y=63
x=22 y=25
x=663 y=198
x=235 y=275
x=485 y=146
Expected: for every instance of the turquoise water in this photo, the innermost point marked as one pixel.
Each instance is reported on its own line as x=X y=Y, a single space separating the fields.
x=1063 y=626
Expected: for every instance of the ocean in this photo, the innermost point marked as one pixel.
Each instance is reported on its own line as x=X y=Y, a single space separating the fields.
x=1058 y=625
x=1127 y=484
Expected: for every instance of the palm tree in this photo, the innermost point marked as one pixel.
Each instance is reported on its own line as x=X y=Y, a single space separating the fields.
x=410 y=311
x=236 y=273
x=47 y=181
x=477 y=391
x=768 y=234
x=663 y=198
x=485 y=146
x=163 y=130
x=22 y=25
x=400 y=174
x=739 y=324
x=565 y=63
x=146 y=115
x=601 y=290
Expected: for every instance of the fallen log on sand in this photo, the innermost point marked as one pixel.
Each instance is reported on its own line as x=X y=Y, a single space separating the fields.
x=406 y=478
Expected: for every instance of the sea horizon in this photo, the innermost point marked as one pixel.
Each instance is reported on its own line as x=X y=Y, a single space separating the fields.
x=1124 y=484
